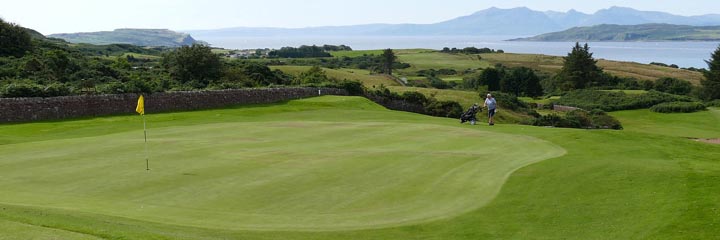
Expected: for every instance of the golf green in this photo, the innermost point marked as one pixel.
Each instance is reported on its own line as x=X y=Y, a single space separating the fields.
x=272 y=175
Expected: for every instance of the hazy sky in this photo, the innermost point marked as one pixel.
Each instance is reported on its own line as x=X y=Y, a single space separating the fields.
x=58 y=16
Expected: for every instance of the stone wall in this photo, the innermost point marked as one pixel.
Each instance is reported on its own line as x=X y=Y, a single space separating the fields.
x=398 y=105
x=36 y=109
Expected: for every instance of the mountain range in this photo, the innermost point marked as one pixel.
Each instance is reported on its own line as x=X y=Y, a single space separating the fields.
x=519 y=21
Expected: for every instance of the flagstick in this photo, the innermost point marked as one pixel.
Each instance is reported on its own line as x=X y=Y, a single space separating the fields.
x=147 y=158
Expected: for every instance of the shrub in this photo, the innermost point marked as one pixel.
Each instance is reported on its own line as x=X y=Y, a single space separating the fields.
x=507 y=101
x=614 y=101
x=450 y=109
x=713 y=103
x=596 y=119
x=16 y=90
x=673 y=86
x=57 y=90
x=678 y=107
x=415 y=97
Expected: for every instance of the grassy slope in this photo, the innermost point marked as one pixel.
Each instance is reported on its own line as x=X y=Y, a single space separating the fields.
x=465 y=98
x=611 y=185
x=427 y=59
x=689 y=125
x=621 y=69
x=363 y=76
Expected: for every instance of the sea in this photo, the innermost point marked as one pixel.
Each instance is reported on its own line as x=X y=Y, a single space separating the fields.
x=683 y=54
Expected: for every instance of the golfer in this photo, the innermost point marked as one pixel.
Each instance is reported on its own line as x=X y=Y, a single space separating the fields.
x=491 y=105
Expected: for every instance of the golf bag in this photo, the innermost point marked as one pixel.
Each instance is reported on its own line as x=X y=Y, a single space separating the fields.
x=469 y=115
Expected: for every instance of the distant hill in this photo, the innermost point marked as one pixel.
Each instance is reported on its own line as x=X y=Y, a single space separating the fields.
x=138 y=37
x=643 y=32
x=520 y=21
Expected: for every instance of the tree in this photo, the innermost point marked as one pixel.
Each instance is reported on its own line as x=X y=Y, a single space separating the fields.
x=532 y=83
x=14 y=40
x=314 y=75
x=196 y=63
x=388 y=60
x=122 y=63
x=521 y=81
x=711 y=83
x=579 y=69
x=491 y=77
x=513 y=82
x=59 y=63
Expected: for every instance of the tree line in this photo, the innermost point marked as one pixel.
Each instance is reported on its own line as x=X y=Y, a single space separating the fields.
x=305 y=51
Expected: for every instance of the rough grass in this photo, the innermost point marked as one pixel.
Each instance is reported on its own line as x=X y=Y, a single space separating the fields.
x=617 y=68
x=361 y=75
x=645 y=182
x=466 y=99
x=630 y=92
x=355 y=53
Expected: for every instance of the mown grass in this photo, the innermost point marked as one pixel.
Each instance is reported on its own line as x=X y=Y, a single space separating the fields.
x=267 y=173
x=644 y=182
x=437 y=60
x=687 y=125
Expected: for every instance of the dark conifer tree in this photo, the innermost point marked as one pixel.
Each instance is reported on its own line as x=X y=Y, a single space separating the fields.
x=580 y=69
x=711 y=84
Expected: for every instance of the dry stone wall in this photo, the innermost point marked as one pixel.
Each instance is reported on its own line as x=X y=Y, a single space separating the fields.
x=37 y=109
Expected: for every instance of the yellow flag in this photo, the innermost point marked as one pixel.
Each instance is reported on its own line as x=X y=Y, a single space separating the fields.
x=141 y=105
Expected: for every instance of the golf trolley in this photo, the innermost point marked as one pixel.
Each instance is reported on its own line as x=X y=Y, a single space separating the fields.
x=469 y=115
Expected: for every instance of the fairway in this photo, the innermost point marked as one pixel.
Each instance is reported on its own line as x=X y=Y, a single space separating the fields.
x=282 y=175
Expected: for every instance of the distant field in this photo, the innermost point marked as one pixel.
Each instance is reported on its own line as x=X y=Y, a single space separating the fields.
x=437 y=60
x=363 y=76
x=621 y=69
x=136 y=55
x=423 y=59
x=355 y=53
x=630 y=92
x=142 y=56
x=452 y=79
x=648 y=72
x=542 y=100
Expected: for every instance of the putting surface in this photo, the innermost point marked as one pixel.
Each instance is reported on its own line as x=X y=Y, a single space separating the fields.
x=272 y=175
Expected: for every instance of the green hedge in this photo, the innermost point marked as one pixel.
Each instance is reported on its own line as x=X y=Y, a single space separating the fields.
x=678 y=107
x=615 y=101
